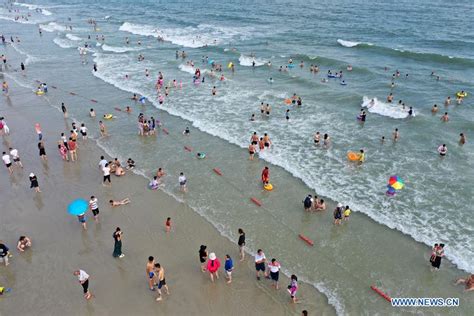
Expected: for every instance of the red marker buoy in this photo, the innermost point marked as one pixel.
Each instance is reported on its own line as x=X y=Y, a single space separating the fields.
x=306 y=239
x=188 y=148
x=72 y=93
x=218 y=171
x=54 y=87
x=257 y=202
x=92 y=100
x=165 y=131
x=118 y=109
x=379 y=292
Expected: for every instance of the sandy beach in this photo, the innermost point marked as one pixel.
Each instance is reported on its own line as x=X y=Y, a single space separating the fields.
x=43 y=274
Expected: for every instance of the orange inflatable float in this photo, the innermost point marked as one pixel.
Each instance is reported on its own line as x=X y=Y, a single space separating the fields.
x=352 y=156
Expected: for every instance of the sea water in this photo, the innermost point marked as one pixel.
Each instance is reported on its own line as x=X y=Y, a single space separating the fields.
x=375 y=38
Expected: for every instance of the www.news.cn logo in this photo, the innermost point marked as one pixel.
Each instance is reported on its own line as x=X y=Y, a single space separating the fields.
x=425 y=302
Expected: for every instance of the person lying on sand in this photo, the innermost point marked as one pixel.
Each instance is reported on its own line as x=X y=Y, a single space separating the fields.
x=118 y=203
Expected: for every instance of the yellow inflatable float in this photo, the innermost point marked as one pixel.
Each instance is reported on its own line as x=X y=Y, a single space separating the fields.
x=39 y=92
x=352 y=156
x=108 y=116
x=461 y=94
x=268 y=187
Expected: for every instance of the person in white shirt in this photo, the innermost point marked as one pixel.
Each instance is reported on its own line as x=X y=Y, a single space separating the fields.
x=94 y=207
x=15 y=157
x=260 y=263
x=83 y=131
x=102 y=162
x=106 y=171
x=7 y=161
x=83 y=278
x=274 y=268
x=182 y=182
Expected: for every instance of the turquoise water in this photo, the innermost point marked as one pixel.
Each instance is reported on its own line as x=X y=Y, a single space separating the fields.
x=434 y=206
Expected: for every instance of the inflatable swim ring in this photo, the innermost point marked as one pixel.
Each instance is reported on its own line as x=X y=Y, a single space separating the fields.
x=288 y=101
x=230 y=65
x=352 y=156
x=152 y=187
x=343 y=83
x=268 y=187
x=39 y=92
x=459 y=94
x=332 y=76
x=201 y=155
x=291 y=66
x=108 y=116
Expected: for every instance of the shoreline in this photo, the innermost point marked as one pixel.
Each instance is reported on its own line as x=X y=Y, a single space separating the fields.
x=243 y=287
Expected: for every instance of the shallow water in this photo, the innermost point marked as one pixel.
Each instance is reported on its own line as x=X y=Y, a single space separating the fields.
x=434 y=205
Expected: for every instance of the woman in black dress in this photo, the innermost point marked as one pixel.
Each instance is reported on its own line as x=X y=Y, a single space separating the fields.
x=438 y=254
x=34 y=182
x=118 y=243
x=203 y=257
x=42 y=151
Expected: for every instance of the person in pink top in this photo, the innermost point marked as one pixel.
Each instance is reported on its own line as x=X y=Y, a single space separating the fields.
x=213 y=265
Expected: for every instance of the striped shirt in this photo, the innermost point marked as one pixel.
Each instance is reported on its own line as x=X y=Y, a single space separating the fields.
x=93 y=204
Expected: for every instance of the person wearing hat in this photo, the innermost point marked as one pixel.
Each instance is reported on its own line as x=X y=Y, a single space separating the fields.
x=338 y=214
x=34 y=182
x=213 y=265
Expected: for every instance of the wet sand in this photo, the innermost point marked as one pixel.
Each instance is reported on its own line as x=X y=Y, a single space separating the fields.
x=41 y=278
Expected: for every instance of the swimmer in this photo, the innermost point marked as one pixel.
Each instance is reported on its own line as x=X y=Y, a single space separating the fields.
x=154 y=183
x=268 y=109
x=469 y=282
x=301 y=64
x=214 y=90
x=186 y=132
x=326 y=140
x=319 y=205
x=160 y=174
x=462 y=139
x=316 y=138
x=254 y=139
x=266 y=140
x=118 y=203
x=447 y=101
x=262 y=108
x=349 y=68
x=396 y=135
x=128 y=109
x=347 y=213
x=91 y=113
x=390 y=98
x=261 y=144
x=23 y=243
x=459 y=100
x=442 y=150
x=270 y=80
x=434 y=109
x=287 y=115
x=410 y=111
x=252 y=151
x=445 y=117
x=252 y=117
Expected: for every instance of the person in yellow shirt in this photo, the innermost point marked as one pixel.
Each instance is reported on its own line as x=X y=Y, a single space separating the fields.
x=361 y=156
x=347 y=213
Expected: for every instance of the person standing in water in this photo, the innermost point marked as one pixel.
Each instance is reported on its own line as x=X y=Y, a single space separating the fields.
x=438 y=254
x=149 y=272
x=260 y=260
x=462 y=140
x=83 y=278
x=63 y=108
x=396 y=135
x=94 y=208
x=241 y=243
x=265 y=175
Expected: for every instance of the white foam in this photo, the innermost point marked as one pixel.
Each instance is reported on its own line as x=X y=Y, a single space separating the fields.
x=63 y=43
x=118 y=49
x=34 y=7
x=248 y=60
x=53 y=27
x=386 y=109
x=194 y=37
x=29 y=58
x=187 y=68
x=73 y=37
x=350 y=43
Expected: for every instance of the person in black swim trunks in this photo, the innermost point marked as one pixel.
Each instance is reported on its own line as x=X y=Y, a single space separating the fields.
x=254 y=139
x=338 y=214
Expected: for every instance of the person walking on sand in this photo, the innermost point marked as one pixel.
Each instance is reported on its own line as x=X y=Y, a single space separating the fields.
x=241 y=244
x=161 y=281
x=213 y=265
x=16 y=157
x=260 y=263
x=34 y=183
x=228 y=267
x=168 y=225
x=42 y=151
x=274 y=269
x=94 y=207
x=203 y=257
x=83 y=278
x=149 y=272
x=118 y=243
x=7 y=161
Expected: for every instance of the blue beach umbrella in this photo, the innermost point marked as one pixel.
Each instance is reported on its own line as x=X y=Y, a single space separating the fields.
x=77 y=207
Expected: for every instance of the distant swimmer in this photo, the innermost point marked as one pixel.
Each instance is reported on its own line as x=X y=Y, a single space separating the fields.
x=268 y=109
x=462 y=139
x=316 y=138
x=214 y=90
x=382 y=140
x=442 y=150
x=434 y=109
x=252 y=151
x=266 y=140
x=269 y=64
x=410 y=111
x=326 y=140
x=349 y=68
x=362 y=156
x=468 y=281
x=396 y=135
x=301 y=64
x=287 y=116
x=92 y=113
x=254 y=139
x=447 y=101
x=390 y=98
x=186 y=131
x=445 y=117
x=270 y=80
x=252 y=117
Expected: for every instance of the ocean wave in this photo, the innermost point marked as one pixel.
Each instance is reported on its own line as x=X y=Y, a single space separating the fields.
x=73 y=37
x=53 y=27
x=118 y=49
x=348 y=43
x=193 y=37
x=29 y=58
x=248 y=61
x=22 y=21
x=34 y=7
x=385 y=109
x=63 y=43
